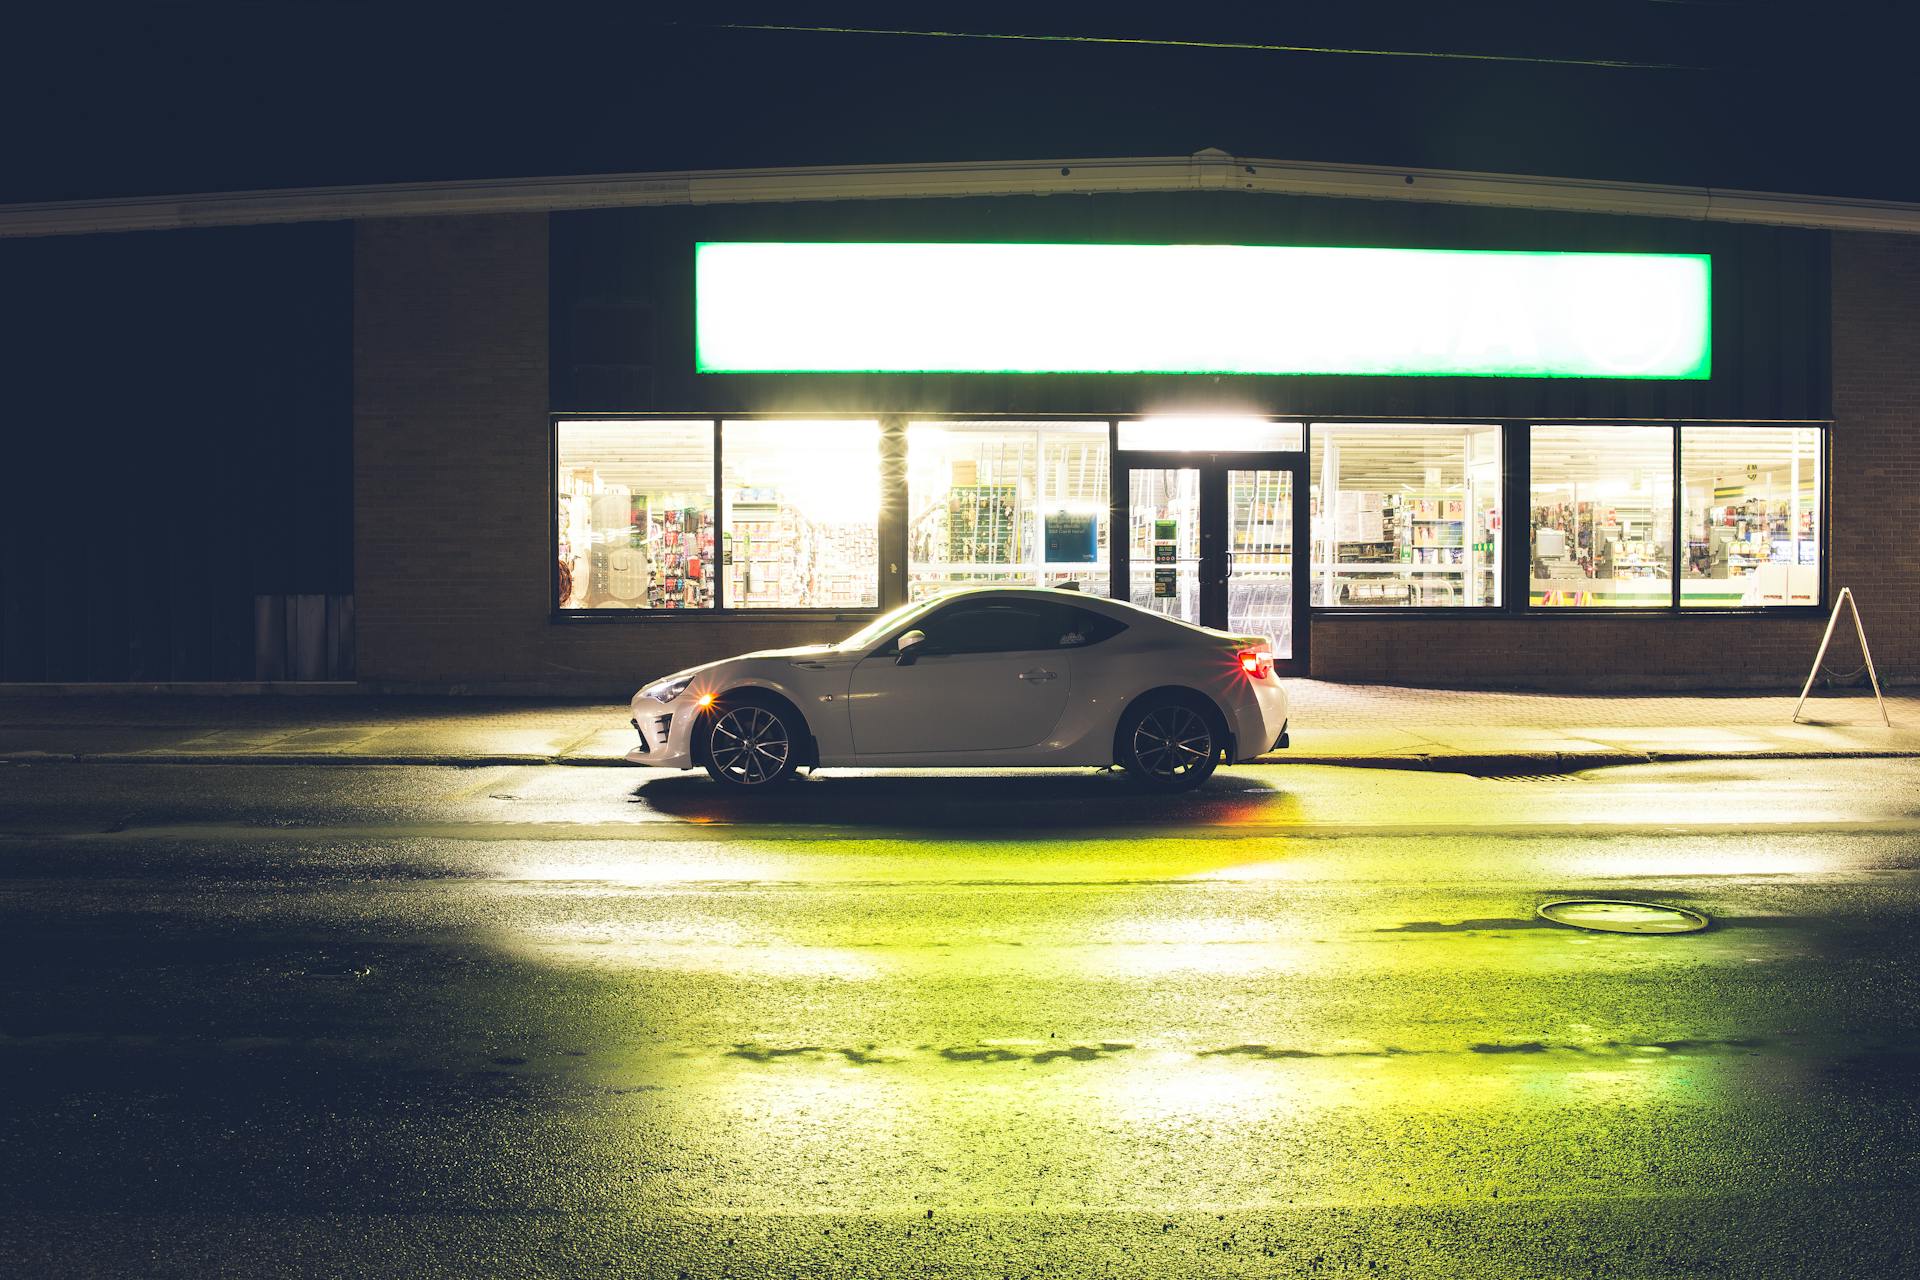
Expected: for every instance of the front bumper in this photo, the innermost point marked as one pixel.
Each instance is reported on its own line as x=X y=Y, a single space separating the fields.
x=665 y=735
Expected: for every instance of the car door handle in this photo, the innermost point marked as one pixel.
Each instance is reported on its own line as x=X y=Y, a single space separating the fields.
x=1036 y=675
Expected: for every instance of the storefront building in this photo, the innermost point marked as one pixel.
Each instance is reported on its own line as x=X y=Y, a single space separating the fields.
x=1427 y=442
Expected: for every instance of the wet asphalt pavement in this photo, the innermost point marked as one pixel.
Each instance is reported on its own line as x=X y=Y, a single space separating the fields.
x=524 y=1020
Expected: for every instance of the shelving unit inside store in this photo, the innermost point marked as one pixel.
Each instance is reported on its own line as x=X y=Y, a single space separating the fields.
x=777 y=558
x=984 y=502
x=1406 y=516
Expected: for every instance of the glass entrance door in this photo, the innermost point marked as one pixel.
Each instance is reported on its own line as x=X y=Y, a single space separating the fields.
x=1211 y=539
x=1260 y=555
x=1164 y=565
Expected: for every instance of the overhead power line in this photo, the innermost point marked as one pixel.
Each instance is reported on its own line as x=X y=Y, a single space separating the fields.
x=1256 y=46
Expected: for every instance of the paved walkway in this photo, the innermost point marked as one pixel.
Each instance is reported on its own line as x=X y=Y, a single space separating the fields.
x=1458 y=728
x=1376 y=725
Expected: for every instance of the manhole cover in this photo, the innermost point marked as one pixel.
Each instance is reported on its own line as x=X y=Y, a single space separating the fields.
x=1612 y=915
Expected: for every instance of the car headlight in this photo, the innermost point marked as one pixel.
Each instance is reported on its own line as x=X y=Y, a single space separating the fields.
x=667 y=690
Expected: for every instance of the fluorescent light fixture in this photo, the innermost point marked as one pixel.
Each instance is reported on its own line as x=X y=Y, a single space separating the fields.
x=1211 y=431
x=1199 y=309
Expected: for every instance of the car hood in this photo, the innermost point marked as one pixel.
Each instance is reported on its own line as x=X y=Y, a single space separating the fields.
x=797 y=651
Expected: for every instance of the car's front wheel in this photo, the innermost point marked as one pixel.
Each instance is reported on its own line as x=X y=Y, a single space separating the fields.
x=750 y=744
x=1169 y=743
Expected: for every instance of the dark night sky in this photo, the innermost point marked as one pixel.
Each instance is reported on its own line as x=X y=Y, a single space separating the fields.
x=164 y=99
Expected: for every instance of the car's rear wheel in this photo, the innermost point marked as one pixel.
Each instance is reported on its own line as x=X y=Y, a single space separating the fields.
x=750 y=745
x=1169 y=743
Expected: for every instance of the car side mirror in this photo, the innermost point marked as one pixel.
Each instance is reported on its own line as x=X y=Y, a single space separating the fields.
x=906 y=644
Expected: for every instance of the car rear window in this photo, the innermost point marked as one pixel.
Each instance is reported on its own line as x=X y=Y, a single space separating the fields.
x=1081 y=627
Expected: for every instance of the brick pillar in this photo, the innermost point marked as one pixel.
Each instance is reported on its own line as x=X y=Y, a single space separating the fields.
x=451 y=448
x=1876 y=444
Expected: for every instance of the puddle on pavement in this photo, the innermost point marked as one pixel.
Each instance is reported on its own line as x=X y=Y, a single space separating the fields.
x=334 y=972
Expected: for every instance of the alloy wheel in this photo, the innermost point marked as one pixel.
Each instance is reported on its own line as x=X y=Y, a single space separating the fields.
x=1171 y=741
x=750 y=745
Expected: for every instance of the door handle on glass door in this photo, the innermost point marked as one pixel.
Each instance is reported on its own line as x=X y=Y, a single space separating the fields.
x=1036 y=675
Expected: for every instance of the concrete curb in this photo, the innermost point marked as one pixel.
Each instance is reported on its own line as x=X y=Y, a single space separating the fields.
x=1491 y=763
x=1509 y=762
x=1575 y=761
x=309 y=758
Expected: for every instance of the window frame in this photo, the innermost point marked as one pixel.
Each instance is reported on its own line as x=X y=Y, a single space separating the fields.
x=1521 y=486
x=1508 y=428
x=1521 y=540
x=1039 y=423
x=720 y=608
x=1516 y=483
x=1822 y=543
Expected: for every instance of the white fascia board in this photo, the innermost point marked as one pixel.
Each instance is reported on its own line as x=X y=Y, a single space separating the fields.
x=1204 y=171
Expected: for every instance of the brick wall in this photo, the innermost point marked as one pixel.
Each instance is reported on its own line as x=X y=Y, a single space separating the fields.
x=1560 y=652
x=1876 y=448
x=451 y=457
x=451 y=450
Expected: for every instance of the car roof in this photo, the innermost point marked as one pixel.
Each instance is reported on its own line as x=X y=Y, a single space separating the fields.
x=1099 y=604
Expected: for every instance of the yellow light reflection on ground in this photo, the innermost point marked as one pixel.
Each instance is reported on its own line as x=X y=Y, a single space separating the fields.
x=892 y=860
x=818 y=1129
x=1680 y=860
x=651 y=869
x=592 y=948
x=1177 y=1088
x=1151 y=945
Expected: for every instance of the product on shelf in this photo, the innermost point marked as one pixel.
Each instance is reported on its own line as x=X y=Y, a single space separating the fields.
x=982 y=524
x=621 y=549
x=777 y=558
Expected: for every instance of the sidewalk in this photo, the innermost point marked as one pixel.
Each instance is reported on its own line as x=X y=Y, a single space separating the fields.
x=1370 y=725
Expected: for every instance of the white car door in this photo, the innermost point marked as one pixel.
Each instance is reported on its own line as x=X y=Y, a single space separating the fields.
x=989 y=677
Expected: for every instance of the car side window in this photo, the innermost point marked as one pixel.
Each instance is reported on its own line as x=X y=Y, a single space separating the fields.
x=999 y=627
x=1015 y=626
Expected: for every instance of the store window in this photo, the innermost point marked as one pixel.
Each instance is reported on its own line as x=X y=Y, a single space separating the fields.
x=635 y=515
x=1602 y=517
x=800 y=529
x=1405 y=515
x=1751 y=516
x=1018 y=503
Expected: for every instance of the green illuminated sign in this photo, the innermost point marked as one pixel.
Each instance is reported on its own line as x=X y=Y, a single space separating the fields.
x=1199 y=308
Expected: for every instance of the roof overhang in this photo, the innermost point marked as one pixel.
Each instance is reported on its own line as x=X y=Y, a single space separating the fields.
x=1208 y=170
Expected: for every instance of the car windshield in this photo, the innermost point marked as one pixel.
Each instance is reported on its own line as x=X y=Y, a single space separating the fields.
x=880 y=626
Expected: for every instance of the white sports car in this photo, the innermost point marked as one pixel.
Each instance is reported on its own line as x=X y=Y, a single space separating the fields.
x=991 y=676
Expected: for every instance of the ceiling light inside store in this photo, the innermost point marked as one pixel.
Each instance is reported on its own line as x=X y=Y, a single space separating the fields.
x=827 y=471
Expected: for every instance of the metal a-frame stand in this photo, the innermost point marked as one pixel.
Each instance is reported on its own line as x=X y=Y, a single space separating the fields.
x=1846 y=600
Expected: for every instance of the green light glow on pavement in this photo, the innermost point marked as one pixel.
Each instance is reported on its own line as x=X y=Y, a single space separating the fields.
x=1199 y=309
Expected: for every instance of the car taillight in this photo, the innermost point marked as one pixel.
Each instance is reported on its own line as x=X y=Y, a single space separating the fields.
x=1257 y=663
